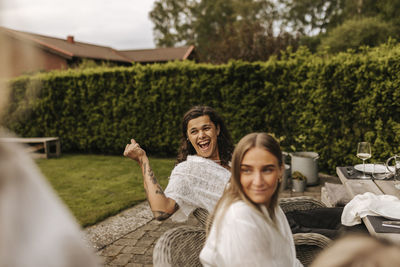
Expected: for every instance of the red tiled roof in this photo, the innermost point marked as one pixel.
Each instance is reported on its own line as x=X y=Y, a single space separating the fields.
x=158 y=54
x=68 y=48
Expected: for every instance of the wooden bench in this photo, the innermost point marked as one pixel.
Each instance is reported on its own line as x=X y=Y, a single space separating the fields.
x=49 y=145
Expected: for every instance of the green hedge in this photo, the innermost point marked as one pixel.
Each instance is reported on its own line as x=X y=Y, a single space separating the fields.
x=312 y=102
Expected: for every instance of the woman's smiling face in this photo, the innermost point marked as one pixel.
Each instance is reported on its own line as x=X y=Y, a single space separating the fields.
x=259 y=175
x=202 y=134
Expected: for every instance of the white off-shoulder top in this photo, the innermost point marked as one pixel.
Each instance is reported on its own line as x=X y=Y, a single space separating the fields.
x=196 y=183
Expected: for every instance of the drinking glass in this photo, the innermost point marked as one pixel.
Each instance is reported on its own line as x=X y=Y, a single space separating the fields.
x=394 y=169
x=364 y=152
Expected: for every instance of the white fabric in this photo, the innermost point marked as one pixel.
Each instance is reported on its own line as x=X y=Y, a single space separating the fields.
x=370 y=204
x=196 y=183
x=245 y=238
x=36 y=229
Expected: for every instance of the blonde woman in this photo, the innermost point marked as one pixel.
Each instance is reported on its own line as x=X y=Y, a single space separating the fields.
x=249 y=227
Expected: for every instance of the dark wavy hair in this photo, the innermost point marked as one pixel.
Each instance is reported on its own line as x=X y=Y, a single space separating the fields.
x=224 y=140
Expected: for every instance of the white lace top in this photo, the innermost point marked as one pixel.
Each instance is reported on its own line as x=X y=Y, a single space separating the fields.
x=242 y=237
x=196 y=182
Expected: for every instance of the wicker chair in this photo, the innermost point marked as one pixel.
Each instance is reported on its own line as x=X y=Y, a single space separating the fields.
x=181 y=246
x=201 y=215
x=308 y=245
x=300 y=203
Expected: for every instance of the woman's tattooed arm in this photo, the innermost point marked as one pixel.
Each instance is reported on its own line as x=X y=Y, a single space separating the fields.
x=162 y=206
x=155 y=194
x=161 y=215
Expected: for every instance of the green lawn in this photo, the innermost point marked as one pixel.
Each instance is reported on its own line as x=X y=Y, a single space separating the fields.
x=96 y=186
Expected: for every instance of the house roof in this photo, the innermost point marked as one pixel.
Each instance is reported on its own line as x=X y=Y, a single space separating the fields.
x=69 y=48
x=159 y=54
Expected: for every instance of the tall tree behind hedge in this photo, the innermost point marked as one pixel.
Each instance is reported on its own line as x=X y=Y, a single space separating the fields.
x=370 y=22
x=310 y=17
x=357 y=32
x=220 y=29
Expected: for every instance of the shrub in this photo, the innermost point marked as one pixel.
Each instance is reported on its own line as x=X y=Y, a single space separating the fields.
x=318 y=103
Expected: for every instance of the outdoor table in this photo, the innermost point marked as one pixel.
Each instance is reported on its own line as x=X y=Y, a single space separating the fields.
x=378 y=187
x=38 y=144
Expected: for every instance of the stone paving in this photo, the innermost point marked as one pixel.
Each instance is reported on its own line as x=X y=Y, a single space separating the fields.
x=128 y=238
x=136 y=248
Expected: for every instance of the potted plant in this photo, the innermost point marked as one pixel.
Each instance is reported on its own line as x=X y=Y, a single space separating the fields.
x=299 y=182
x=304 y=161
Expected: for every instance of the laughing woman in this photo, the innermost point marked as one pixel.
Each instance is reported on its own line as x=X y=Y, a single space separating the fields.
x=199 y=178
x=249 y=227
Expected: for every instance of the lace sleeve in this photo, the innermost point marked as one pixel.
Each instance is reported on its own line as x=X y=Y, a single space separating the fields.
x=196 y=182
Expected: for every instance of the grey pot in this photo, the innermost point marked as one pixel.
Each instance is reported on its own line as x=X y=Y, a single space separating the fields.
x=307 y=164
x=298 y=185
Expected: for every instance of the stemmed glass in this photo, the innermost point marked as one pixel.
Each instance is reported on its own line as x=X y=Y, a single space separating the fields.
x=364 y=152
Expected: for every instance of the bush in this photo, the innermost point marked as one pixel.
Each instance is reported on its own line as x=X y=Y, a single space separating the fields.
x=316 y=103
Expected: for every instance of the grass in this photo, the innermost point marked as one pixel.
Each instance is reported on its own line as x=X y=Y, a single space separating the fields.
x=95 y=187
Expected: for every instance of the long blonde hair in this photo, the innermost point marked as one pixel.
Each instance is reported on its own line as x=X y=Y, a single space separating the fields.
x=234 y=190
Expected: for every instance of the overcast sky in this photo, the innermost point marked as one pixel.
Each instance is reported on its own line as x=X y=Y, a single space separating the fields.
x=120 y=24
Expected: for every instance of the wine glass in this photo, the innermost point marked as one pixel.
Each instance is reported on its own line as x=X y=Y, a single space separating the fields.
x=364 y=152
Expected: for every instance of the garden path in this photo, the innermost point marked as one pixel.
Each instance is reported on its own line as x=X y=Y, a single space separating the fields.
x=127 y=239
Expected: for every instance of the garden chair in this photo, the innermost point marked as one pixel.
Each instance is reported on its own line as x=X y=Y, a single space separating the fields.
x=181 y=246
x=308 y=245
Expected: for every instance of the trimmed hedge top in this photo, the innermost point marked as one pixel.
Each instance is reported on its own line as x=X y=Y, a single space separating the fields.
x=312 y=102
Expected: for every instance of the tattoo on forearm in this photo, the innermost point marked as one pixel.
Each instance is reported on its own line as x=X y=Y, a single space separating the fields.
x=159 y=190
x=152 y=177
x=161 y=215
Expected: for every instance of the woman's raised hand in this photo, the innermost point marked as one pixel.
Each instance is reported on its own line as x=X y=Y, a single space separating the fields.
x=161 y=206
x=134 y=151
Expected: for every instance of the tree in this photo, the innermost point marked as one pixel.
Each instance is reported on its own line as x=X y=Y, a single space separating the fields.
x=220 y=29
x=357 y=32
x=323 y=20
x=173 y=21
x=311 y=17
